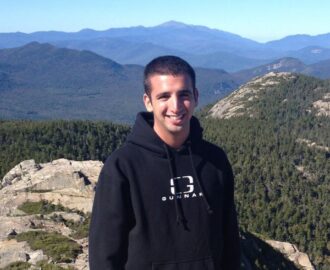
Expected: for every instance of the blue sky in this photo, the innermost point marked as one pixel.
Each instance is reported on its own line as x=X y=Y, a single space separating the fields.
x=260 y=20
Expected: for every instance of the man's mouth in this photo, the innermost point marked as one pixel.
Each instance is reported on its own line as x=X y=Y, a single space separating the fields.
x=176 y=117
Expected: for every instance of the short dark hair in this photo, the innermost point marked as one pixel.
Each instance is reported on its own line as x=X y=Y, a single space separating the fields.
x=167 y=65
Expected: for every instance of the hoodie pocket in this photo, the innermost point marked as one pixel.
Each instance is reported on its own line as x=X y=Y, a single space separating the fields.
x=196 y=264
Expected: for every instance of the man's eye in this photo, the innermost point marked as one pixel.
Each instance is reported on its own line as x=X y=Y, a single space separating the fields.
x=185 y=95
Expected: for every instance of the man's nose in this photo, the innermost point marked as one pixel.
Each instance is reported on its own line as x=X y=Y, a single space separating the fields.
x=176 y=105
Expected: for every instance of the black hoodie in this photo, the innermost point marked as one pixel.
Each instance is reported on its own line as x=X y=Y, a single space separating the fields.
x=164 y=209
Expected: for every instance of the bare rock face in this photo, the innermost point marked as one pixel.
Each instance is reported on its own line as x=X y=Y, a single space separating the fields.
x=24 y=169
x=13 y=251
x=323 y=105
x=82 y=260
x=70 y=183
x=66 y=182
x=300 y=259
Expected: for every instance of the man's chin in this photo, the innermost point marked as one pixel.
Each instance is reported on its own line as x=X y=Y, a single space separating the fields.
x=176 y=129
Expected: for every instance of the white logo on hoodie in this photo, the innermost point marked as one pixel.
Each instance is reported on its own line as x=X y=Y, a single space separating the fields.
x=185 y=192
x=190 y=186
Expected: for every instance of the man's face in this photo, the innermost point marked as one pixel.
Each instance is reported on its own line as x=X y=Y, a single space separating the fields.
x=172 y=101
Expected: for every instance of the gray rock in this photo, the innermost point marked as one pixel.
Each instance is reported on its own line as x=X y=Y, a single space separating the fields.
x=290 y=251
x=13 y=251
x=19 y=172
x=65 y=182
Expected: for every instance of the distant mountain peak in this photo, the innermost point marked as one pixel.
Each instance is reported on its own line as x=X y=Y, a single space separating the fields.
x=42 y=48
x=238 y=103
x=36 y=44
x=286 y=62
x=87 y=30
x=173 y=24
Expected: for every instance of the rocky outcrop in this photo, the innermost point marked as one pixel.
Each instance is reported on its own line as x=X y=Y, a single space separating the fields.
x=242 y=102
x=238 y=103
x=293 y=254
x=60 y=182
x=323 y=106
x=66 y=182
x=311 y=144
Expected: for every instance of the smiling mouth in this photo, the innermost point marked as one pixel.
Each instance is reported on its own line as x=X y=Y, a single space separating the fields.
x=176 y=117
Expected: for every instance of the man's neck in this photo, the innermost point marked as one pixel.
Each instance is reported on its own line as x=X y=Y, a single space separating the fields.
x=173 y=140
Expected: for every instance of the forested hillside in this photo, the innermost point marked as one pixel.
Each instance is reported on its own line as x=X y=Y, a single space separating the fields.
x=46 y=141
x=281 y=160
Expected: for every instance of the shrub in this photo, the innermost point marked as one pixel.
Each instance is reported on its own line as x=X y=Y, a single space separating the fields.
x=54 y=245
x=17 y=266
x=50 y=266
x=42 y=207
x=80 y=229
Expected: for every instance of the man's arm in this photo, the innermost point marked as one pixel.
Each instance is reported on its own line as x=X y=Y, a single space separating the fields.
x=231 y=255
x=112 y=219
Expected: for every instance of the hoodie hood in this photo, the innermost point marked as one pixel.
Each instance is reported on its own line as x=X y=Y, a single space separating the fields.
x=144 y=135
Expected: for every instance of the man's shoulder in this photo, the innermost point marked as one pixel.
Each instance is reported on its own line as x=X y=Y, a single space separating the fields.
x=120 y=160
x=124 y=152
x=212 y=149
x=215 y=155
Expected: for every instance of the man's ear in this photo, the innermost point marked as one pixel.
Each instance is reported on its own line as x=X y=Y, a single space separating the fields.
x=147 y=102
x=196 y=95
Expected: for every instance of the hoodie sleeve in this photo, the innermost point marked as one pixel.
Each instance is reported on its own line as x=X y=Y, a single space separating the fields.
x=112 y=219
x=231 y=254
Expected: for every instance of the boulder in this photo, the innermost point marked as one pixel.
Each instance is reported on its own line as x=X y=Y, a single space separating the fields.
x=290 y=251
x=62 y=181
x=13 y=251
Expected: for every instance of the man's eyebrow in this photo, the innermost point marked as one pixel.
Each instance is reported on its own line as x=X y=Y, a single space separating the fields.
x=162 y=94
x=183 y=91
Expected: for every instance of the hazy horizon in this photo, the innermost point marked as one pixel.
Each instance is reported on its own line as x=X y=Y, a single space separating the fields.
x=258 y=20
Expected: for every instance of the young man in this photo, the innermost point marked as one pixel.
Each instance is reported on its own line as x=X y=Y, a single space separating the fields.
x=164 y=201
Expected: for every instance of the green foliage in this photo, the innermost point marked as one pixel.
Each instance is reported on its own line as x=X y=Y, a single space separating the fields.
x=42 y=207
x=273 y=197
x=17 y=266
x=54 y=245
x=46 y=141
x=80 y=229
x=44 y=265
x=50 y=266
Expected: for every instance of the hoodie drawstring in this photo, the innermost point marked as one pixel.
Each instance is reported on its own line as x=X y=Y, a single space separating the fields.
x=179 y=214
x=207 y=205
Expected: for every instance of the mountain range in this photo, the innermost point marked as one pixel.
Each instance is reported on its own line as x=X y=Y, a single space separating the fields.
x=41 y=81
x=200 y=45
